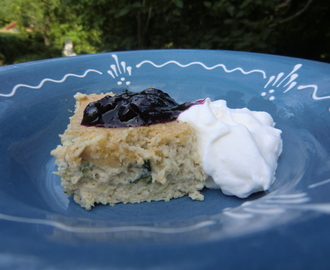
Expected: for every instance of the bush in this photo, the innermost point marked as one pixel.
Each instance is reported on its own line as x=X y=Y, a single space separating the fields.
x=18 y=48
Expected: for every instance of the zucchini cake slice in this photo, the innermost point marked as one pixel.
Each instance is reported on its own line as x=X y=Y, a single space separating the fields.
x=152 y=161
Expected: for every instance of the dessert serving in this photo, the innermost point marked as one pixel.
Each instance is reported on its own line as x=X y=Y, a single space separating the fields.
x=136 y=147
x=129 y=148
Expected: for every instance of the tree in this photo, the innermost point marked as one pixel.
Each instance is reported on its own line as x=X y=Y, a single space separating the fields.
x=44 y=25
x=50 y=18
x=248 y=25
x=304 y=29
x=144 y=24
x=289 y=27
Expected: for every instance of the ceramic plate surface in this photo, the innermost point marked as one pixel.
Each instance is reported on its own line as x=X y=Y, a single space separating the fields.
x=286 y=227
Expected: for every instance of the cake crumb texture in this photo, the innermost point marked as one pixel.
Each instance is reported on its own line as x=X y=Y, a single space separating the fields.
x=128 y=165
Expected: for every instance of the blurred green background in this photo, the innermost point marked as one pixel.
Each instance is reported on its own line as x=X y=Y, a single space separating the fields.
x=33 y=30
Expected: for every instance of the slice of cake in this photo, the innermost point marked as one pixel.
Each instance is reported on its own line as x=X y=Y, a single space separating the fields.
x=145 y=161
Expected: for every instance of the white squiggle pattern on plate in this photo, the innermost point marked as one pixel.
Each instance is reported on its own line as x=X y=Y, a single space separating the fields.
x=277 y=81
x=204 y=66
x=292 y=75
x=116 y=71
x=289 y=82
x=73 y=229
x=314 y=95
x=12 y=93
x=271 y=78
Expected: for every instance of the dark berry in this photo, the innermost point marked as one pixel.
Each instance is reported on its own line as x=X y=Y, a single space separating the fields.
x=151 y=106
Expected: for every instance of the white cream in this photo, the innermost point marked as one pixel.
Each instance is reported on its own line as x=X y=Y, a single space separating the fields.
x=239 y=147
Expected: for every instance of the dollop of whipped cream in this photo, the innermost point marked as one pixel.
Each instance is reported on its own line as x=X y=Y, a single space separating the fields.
x=239 y=147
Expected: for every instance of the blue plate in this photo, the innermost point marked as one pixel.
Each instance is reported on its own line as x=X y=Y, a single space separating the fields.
x=284 y=228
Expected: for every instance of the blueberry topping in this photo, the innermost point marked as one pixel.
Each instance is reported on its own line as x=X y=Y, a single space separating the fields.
x=151 y=106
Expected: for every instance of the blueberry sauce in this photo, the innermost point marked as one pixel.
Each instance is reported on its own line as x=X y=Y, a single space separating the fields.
x=151 y=106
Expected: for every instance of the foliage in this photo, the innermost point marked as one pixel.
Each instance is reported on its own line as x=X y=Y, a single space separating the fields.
x=180 y=24
x=307 y=34
x=248 y=25
x=17 y=48
x=284 y=27
x=43 y=26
